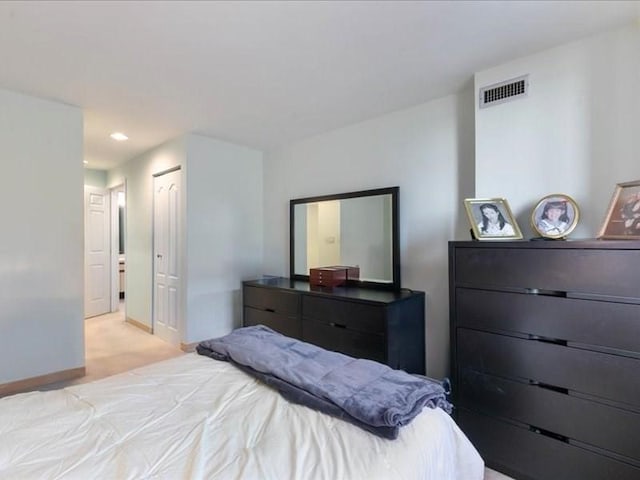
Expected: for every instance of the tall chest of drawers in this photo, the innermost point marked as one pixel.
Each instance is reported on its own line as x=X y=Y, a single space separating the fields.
x=378 y=325
x=545 y=343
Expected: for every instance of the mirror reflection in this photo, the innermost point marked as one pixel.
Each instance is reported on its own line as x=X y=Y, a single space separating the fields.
x=357 y=230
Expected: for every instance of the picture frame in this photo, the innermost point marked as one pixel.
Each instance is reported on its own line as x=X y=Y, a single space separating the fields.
x=555 y=216
x=622 y=221
x=491 y=219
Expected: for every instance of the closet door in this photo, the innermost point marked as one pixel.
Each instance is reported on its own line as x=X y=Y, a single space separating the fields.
x=166 y=257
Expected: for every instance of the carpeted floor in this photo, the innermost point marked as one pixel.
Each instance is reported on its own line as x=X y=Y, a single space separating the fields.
x=113 y=346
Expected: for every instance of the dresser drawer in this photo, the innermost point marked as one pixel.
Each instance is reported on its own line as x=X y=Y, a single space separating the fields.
x=582 y=321
x=352 y=315
x=606 y=427
x=288 y=326
x=349 y=342
x=272 y=300
x=567 y=270
x=603 y=375
x=526 y=454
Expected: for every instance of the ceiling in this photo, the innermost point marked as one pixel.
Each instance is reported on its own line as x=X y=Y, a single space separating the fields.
x=263 y=74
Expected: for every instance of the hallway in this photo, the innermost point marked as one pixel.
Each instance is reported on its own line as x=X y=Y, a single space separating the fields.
x=113 y=346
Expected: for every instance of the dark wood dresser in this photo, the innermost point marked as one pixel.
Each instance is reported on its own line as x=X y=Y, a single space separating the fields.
x=379 y=325
x=545 y=341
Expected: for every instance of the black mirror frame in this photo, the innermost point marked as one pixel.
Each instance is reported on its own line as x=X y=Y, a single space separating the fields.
x=395 y=234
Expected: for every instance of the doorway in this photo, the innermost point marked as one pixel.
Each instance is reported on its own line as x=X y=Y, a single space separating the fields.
x=118 y=248
x=105 y=261
x=97 y=248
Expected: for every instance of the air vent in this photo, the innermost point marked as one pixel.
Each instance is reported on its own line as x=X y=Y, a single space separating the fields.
x=504 y=91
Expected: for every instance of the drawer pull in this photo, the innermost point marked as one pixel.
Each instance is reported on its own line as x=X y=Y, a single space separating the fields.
x=548 y=433
x=337 y=325
x=271 y=310
x=555 y=341
x=547 y=293
x=547 y=386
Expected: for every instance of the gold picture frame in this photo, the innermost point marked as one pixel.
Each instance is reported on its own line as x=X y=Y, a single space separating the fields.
x=622 y=221
x=555 y=216
x=491 y=219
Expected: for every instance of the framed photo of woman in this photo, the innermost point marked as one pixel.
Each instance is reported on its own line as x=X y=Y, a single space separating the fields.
x=555 y=216
x=623 y=216
x=491 y=219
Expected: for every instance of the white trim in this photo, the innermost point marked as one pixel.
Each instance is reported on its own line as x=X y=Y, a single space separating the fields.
x=115 y=251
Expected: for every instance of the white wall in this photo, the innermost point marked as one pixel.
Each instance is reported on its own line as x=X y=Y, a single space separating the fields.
x=222 y=230
x=329 y=235
x=138 y=174
x=428 y=152
x=224 y=236
x=95 y=178
x=576 y=133
x=365 y=229
x=41 y=251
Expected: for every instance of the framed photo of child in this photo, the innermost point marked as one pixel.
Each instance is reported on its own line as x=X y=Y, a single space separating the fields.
x=623 y=216
x=555 y=216
x=491 y=219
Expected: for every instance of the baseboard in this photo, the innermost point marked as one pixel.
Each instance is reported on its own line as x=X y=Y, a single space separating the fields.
x=185 y=347
x=138 y=324
x=188 y=347
x=34 y=382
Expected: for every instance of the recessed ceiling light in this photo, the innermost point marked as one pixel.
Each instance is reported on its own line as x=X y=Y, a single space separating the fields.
x=86 y=162
x=119 y=136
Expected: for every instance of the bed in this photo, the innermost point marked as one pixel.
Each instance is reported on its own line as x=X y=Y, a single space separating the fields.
x=192 y=417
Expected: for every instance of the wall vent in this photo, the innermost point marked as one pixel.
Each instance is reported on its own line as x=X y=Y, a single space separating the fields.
x=504 y=91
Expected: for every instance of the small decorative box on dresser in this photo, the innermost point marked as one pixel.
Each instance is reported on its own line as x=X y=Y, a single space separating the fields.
x=328 y=276
x=545 y=341
x=379 y=325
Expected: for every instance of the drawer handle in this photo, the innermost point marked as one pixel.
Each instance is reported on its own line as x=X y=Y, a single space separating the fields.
x=548 y=433
x=269 y=310
x=545 y=293
x=555 y=341
x=337 y=325
x=548 y=386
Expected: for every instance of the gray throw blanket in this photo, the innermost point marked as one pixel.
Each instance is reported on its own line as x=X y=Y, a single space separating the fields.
x=363 y=392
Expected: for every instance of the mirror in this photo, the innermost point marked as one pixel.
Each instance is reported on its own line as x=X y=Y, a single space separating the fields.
x=358 y=229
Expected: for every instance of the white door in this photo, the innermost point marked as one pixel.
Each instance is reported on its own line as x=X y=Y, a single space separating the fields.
x=166 y=256
x=97 y=274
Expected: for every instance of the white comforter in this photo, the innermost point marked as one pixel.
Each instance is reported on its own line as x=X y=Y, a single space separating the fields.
x=193 y=417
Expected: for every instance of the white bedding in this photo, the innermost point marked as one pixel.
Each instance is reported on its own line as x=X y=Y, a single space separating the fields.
x=193 y=417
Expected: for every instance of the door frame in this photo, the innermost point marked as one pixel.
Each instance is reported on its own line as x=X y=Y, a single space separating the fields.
x=115 y=251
